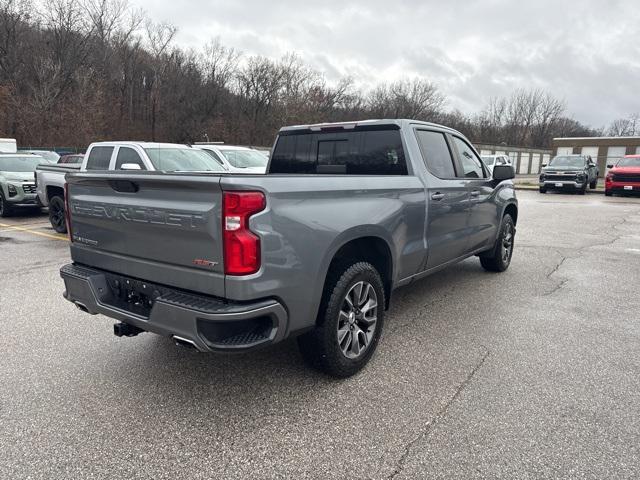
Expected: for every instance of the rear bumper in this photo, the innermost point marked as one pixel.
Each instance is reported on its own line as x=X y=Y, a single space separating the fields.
x=208 y=323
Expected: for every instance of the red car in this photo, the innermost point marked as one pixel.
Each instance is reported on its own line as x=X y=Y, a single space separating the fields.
x=624 y=177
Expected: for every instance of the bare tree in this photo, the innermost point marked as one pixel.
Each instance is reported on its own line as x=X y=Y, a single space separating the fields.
x=417 y=98
x=625 y=127
x=159 y=37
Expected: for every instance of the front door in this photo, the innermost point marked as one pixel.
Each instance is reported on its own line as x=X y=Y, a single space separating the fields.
x=447 y=201
x=483 y=210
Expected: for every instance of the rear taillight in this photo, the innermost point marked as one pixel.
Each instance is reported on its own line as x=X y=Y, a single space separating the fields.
x=241 y=245
x=67 y=213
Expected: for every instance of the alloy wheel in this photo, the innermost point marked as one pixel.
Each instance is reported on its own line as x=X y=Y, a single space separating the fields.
x=357 y=320
x=507 y=242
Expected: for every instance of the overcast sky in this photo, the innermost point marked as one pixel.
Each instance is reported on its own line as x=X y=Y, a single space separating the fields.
x=584 y=51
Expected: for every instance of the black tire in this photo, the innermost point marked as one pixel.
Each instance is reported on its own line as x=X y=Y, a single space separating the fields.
x=608 y=194
x=321 y=347
x=56 y=214
x=543 y=190
x=582 y=190
x=6 y=209
x=495 y=260
x=593 y=184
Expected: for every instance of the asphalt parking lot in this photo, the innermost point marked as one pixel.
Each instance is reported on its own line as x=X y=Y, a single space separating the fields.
x=534 y=373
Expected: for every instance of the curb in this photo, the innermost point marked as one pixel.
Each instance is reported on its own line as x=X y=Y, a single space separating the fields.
x=534 y=188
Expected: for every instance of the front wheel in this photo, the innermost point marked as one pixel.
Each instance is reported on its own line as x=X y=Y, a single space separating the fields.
x=543 y=190
x=608 y=193
x=350 y=321
x=499 y=257
x=593 y=184
x=56 y=214
x=5 y=207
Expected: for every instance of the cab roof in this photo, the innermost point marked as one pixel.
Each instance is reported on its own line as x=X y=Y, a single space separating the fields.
x=141 y=144
x=359 y=124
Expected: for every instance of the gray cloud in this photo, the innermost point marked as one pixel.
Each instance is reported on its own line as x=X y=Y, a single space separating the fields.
x=585 y=51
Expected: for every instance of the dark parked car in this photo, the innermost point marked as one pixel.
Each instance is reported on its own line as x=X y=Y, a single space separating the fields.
x=227 y=262
x=569 y=172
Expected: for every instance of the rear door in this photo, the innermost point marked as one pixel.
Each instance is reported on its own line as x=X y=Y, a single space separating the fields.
x=448 y=200
x=161 y=228
x=483 y=210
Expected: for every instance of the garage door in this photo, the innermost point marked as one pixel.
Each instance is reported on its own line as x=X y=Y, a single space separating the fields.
x=524 y=163
x=565 y=150
x=535 y=163
x=592 y=151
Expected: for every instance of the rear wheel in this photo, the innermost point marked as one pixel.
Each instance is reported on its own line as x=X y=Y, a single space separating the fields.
x=349 y=323
x=5 y=207
x=499 y=257
x=593 y=184
x=56 y=214
x=543 y=190
x=607 y=193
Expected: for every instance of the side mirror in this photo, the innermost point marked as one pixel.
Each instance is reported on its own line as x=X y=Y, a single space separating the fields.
x=503 y=172
x=544 y=164
x=610 y=166
x=130 y=166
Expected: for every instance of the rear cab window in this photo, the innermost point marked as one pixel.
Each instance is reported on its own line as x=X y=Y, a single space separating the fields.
x=360 y=151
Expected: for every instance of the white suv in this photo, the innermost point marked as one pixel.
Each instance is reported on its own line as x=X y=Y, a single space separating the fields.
x=236 y=159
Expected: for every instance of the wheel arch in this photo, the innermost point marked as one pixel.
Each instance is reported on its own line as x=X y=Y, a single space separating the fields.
x=53 y=190
x=368 y=246
x=511 y=209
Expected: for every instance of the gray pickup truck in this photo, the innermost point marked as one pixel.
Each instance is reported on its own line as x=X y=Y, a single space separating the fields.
x=346 y=213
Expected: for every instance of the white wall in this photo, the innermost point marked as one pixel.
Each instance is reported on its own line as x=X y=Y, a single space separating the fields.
x=637 y=150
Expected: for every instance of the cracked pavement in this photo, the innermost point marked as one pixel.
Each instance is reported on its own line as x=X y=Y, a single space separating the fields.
x=533 y=373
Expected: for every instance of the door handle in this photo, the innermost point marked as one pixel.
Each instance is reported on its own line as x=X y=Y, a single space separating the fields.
x=437 y=196
x=475 y=193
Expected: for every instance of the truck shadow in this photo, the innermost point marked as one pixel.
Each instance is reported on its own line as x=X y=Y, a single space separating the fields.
x=282 y=365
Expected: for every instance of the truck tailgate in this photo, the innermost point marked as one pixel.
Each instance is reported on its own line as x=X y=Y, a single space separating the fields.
x=165 y=227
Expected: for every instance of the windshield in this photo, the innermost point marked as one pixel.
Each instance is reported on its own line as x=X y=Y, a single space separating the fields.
x=488 y=160
x=629 y=162
x=19 y=164
x=182 y=160
x=567 y=162
x=245 y=158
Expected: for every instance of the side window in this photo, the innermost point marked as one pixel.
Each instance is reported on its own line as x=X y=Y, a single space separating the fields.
x=99 y=158
x=381 y=153
x=471 y=164
x=128 y=155
x=436 y=154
